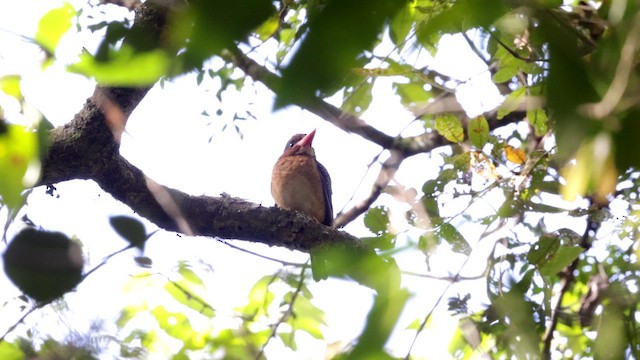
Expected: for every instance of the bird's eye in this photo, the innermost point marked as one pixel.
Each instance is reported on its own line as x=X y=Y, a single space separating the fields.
x=290 y=144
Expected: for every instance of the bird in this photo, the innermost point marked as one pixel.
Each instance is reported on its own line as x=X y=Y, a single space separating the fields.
x=300 y=182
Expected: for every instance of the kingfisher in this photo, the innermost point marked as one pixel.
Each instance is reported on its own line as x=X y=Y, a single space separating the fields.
x=300 y=182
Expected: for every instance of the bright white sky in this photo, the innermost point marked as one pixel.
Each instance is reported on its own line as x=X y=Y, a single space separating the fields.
x=167 y=137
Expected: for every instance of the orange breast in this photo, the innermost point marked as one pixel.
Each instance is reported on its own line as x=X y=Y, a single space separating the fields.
x=296 y=185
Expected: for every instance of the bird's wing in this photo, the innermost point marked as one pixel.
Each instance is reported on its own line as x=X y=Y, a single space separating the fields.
x=328 y=205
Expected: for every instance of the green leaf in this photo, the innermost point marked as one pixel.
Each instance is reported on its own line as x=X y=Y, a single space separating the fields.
x=189 y=275
x=10 y=351
x=207 y=27
x=451 y=235
x=377 y=220
x=130 y=229
x=626 y=141
x=288 y=339
x=309 y=318
x=18 y=153
x=561 y=259
x=125 y=67
x=538 y=120
x=53 y=25
x=10 y=85
x=504 y=74
x=401 y=24
x=411 y=93
x=177 y=325
x=128 y=313
x=268 y=28
x=260 y=297
x=511 y=102
x=332 y=46
x=358 y=98
x=381 y=320
x=611 y=340
x=544 y=249
x=185 y=294
x=461 y=16
x=384 y=241
x=478 y=130
x=450 y=127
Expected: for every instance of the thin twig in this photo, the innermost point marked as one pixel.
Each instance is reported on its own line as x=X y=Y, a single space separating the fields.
x=285 y=315
x=283 y=262
x=15 y=325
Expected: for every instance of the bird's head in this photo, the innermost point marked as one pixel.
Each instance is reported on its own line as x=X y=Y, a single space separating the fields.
x=300 y=144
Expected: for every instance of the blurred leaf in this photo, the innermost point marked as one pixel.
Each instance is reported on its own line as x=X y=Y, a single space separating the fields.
x=187 y=294
x=178 y=326
x=478 y=131
x=209 y=26
x=611 y=337
x=10 y=351
x=125 y=67
x=568 y=84
x=189 y=275
x=451 y=235
x=450 y=127
x=504 y=74
x=462 y=15
x=309 y=318
x=43 y=264
x=362 y=265
x=377 y=220
x=309 y=75
x=53 y=25
x=538 y=120
x=560 y=260
x=384 y=241
x=10 y=85
x=412 y=93
x=401 y=24
x=128 y=313
x=543 y=250
x=188 y=290
x=512 y=102
x=626 y=142
x=358 y=98
x=593 y=172
x=130 y=229
x=381 y=320
x=18 y=154
x=516 y=156
x=513 y=310
x=269 y=27
x=260 y=297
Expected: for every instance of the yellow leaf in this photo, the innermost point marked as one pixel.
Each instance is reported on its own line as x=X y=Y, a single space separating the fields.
x=516 y=156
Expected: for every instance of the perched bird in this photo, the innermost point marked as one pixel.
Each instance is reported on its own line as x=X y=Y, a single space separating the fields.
x=300 y=182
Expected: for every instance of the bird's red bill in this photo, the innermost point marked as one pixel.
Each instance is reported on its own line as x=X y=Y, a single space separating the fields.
x=307 y=139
